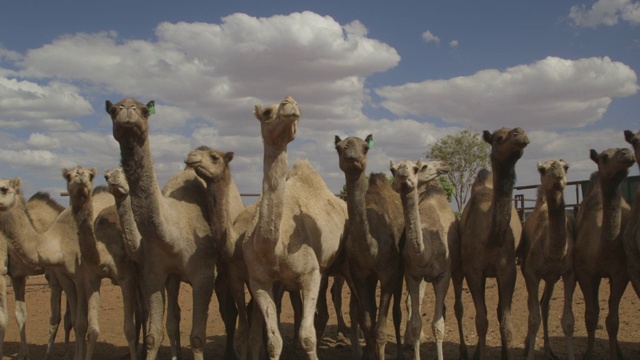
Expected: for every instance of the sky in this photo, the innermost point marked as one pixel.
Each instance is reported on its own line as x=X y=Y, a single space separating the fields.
x=407 y=72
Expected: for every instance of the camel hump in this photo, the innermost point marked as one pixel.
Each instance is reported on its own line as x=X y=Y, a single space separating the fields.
x=46 y=198
x=303 y=171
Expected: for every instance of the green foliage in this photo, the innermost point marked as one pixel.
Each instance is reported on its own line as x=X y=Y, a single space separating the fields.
x=447 y=186
x=466 y=153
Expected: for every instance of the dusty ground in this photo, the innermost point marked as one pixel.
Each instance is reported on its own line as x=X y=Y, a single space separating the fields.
x=112 y=345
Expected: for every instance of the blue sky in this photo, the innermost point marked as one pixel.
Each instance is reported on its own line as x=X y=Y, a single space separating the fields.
x=408 y=72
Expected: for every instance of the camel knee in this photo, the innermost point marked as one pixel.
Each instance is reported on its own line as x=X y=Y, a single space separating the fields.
x=438 y=329
x=482 y=324
x=568 y=323
x=151 y=341
x=612 y=322
x=92 y=334
x=196 y=343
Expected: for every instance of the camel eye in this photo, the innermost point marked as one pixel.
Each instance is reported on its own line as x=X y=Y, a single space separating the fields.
x=133 y=107
x=121 y=106
x=4 y=189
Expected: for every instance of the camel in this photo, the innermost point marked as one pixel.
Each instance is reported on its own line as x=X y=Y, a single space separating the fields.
x=213 y=167
x=373 y=248
x=103 y=256
x=43 y=211
x=176 y=235
x=430 y=226
x=599 y=251
x=631 y=237
x=56 y=249
x=546 y=250
x=490 y=232
x=298 y=230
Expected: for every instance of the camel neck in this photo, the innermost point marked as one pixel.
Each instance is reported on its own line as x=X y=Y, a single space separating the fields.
x=28 y=243
x=504 y=179
x=611 y=208
x=220 y=219
x=413 y=228
x=143 y=186
x=131 y=236
x=83 y=215
x=556 y=246
x=271 y=208
x=357 y=186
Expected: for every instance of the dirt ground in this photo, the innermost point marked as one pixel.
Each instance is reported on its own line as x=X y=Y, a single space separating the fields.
x=112 y=344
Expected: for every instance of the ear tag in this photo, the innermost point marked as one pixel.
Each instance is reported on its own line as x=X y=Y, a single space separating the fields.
x=370 y=143
x=152 y=109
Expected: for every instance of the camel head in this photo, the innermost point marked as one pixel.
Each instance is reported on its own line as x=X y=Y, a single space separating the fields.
x=209 y=164
x=613 y=163
x=432 y=170
x=117 y=182
x=352 y=153
x=553 y=174
x=10 y=191
x=405 y=174
x=130 y=115
x=79 y=183
x=279 y=122
x=507 y=145
x=634 y=140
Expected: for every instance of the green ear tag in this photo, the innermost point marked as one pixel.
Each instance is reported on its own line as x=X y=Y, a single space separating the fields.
x=370 y=143
x=152 y=109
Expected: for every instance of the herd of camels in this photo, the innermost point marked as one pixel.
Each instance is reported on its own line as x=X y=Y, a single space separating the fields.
x=196 y=229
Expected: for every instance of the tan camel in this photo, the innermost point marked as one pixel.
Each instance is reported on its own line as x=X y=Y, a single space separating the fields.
x=429 y=225
x=56 y=249
x=490 y=226
x=224 y=201
x=298 y=230
x=119 y=188
x=42 y=211
x=599 y=252
x=176 y=234
x=546 y=250
x=103 y=256
x=376 y=226
x=631 y=237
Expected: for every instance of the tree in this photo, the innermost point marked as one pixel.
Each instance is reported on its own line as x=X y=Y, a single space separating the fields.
x=447 y=186
x=466 y=153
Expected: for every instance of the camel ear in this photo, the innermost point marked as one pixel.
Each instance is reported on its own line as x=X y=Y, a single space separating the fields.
x=392 y=167
x=108 y=106
x=107 y=174
x=368 y=139
x=594 y=155
x=564 y=164
x=151 y=108
x=628 y=135
x=65 y=174
x=228 y=157
x=487 y=136
x=541 y=167
x=93 y=173
x=336 y=140
x=257 y=112
x=420 y=164
x=16 y=184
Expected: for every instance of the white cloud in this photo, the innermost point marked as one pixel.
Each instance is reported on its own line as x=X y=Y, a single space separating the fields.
x=428 y=37
x=552 y=92
x=453 y=43
x=39 y=140
x=605 y=12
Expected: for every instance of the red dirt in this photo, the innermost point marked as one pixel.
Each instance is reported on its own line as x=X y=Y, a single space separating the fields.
x=112 y=345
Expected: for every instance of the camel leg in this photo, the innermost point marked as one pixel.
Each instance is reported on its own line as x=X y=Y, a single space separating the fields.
x=81 y=322
x=336 y=297
x=92 y=291
x=237 y=292
x=408 y=337
x=310 y=287
x=70 y=291
x=322 y=311
x=568 y=321
x=19 y=284
x=55 y=299
x=263 y=295
x=386 y=292
x=296 y=303
x=533 y=283
x=397 y=316
x=141 y=315
x=415 y=288
x=3 y=308
x=228 y=311
x=202 y=292
x=366 y=296
x=128 y=287
x=256 y=329
x=618 y=284
x=506 y=286
x=589 y=287
x=354 y=330
x=457 y=280
x=154 y=290
x=476 y=283
x=172 y=285
x=440 y=288
x=544 y=306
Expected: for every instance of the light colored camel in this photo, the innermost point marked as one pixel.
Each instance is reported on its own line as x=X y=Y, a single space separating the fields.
x=298 y=230
x=224 y=201
x=631 y=237
x=490 y=232
x=42 y=211
x=546 y=249
x=103 y=256
x=599 y=252
x=429 y=225
x=376 y=226
x=176 y=234
x=56 y=249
